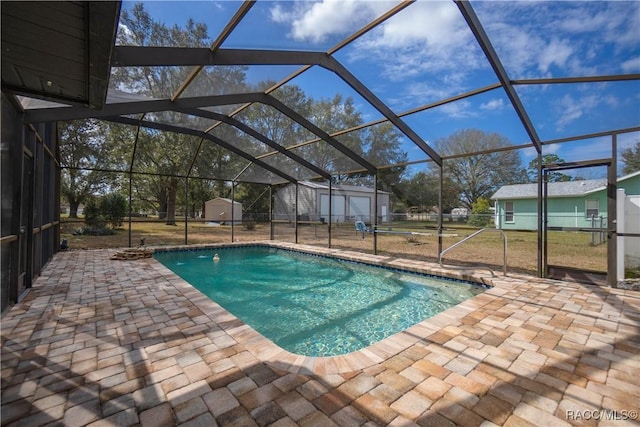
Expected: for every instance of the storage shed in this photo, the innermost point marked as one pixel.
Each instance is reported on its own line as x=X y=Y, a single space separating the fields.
x=219 y=210
x=349 y=203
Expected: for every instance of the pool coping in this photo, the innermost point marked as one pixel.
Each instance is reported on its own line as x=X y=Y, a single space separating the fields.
x=273 y=355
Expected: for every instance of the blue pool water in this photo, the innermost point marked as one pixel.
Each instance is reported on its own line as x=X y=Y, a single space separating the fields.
x=313 y=305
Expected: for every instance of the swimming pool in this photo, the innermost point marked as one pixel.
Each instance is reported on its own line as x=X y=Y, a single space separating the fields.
x=314 y=305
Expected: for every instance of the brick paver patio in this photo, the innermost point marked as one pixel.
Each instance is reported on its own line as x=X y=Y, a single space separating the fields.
x=127 y=343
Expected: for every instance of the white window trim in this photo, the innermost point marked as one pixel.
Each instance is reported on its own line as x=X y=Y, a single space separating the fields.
x=513 y=213
x=586 y=208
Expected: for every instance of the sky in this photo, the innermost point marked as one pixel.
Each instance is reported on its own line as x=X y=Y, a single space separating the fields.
x=426 y=53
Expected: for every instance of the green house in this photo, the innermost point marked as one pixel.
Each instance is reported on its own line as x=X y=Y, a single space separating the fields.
x=572 y=204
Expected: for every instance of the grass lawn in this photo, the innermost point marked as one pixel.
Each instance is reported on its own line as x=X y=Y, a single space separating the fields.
x=565 y=248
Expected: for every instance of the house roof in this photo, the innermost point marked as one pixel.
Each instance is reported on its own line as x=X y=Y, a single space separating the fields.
x=555 y=189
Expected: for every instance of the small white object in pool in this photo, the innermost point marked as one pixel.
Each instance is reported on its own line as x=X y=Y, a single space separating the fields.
x=216 y=258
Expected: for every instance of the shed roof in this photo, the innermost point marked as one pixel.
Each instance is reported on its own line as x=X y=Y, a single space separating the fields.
x=355 y=188
x=223 y=199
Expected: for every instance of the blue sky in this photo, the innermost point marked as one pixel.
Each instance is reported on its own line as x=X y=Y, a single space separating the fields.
x=426 y=53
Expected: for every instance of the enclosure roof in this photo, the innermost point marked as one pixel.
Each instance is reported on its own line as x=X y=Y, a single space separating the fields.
x=538 y=73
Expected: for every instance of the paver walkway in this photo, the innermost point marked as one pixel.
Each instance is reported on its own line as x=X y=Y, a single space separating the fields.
x=127 y=343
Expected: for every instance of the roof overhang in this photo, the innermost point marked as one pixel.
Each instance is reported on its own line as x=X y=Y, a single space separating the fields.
x=59 y=51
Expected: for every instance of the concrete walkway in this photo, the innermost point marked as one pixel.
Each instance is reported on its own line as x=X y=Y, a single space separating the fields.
x=127 y=343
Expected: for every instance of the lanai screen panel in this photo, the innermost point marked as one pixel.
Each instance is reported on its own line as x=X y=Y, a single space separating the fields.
x=333 y=104
x=165 y=153
x=327 y=157
x=262 y=151
x=180 y=120
x=296 y=170
x=563 y=110
x=255 y=174
x=153 y=82
x=226 y=79
x=490 y=112
x=302 y=25
x=422 y=54
x=214 y=15
x=216 y=162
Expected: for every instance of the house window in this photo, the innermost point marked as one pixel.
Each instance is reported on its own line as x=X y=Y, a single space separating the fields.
x=592 y=208
x=508 y=212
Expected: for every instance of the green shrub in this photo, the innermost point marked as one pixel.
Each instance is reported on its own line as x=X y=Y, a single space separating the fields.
x=249 y=225
x=113 y=208
x=92 y=214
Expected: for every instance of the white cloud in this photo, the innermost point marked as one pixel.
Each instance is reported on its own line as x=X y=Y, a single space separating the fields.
x=438 y=24
x=316 y=21
x=458 y=110
x=632 y=65
x=571 y=109
x=494 y=104
x=556 y=52
x=279 y=15
x=540 y=39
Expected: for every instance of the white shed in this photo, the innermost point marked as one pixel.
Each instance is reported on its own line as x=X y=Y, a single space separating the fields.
x=349 y=203
x=219 y=210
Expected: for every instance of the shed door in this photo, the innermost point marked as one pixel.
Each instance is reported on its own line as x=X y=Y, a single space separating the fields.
x=360 y=208
x=338 y=207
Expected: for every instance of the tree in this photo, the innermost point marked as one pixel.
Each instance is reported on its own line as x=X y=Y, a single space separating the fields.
x=422 y=190
x=169 y=155
x=480 y=213
x=631 y=159
x=547 y=159
x=382 y=147
x=479 y=175
x=82 y=147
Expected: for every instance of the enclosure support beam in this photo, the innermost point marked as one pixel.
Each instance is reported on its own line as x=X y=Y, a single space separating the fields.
x=441 y=170
x=186 y=211
x=270 y=212
x=612 y=208
x=293 y=115
x=228 y=29
x=541 y=273
x=255 y=134
x=375 y=213
x=330 y=197
x=130 y=208
x=545 y=222
x=133 y=158
x=233 y=201
x=295 y=213
x=377 y=103
x=187 y=131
